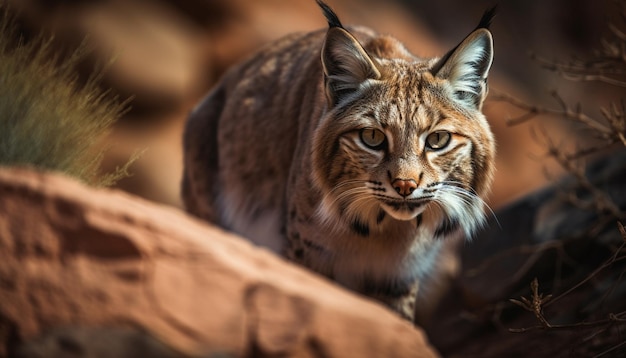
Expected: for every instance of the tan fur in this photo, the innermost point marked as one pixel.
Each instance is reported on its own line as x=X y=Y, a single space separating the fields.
x=277 y=152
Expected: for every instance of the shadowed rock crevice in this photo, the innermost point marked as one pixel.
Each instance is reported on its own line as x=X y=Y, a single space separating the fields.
x=96 y=343
x=9 y=336
x=276 y=327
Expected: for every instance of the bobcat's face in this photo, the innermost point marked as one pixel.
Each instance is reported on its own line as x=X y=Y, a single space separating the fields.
x=403 y=142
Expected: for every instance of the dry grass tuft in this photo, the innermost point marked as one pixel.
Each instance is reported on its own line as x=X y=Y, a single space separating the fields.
x=48 y=118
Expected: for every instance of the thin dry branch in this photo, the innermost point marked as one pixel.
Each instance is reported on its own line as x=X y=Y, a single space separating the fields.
x=619 y=318
x=615 y=118
x=610 y=350
x=601 y=201
x=616 y=257
x=535 y=253
x=600 y=71
x=535 y=304
x=606 y=65
x=566 y=112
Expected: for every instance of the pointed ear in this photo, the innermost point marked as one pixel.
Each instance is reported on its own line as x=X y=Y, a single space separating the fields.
x=346 y=65
x=467 y=66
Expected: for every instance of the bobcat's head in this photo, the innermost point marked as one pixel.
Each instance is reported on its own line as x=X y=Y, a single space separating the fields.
x=404 y=138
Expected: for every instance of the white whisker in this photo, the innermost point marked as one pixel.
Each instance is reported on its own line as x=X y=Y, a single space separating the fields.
x=464 y=205
x=354 y=197
x=470 y=195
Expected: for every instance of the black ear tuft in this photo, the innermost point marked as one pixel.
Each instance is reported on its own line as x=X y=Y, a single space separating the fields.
x=331 y=17
x=488 y=16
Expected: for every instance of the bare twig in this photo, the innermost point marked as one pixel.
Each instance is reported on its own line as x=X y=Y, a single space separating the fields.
x=610 y=350
x=535 y=304
x=601 y=201
x=613 y=259
x=565 y=112
x=622 y=230
x=533 y=250
x=612 y=318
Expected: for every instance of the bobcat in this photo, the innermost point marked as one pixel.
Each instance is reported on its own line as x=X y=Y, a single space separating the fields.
x=358 y=166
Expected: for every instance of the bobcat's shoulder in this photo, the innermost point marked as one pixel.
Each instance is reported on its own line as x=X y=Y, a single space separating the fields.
x=346 y=153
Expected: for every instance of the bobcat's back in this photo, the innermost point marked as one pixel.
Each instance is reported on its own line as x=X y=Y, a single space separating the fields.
x=240 y=142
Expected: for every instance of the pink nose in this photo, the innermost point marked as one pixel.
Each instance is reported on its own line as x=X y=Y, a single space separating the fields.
x=404 y=187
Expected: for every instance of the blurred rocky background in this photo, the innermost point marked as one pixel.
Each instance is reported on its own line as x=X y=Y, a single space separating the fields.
x=166 y=54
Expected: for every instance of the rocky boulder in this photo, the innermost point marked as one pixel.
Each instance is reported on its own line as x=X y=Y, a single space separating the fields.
x=100 y=273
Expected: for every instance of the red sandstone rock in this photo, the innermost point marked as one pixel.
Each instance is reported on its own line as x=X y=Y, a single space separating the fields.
x=75 y=256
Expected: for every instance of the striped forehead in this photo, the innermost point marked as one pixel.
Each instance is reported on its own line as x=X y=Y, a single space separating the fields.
x=411 y=106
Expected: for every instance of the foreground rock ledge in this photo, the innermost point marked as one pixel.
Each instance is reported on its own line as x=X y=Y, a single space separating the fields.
x=78 y=261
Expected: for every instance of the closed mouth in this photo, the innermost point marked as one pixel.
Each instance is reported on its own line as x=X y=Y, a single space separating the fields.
x=407 y=205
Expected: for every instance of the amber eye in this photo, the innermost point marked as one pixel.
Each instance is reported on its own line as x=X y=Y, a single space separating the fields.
x=438 y=140
x=372 y=138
